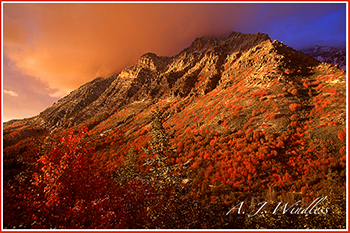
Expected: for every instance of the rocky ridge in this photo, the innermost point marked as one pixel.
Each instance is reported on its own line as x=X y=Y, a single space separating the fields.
x=69 y=106
x=197 y=70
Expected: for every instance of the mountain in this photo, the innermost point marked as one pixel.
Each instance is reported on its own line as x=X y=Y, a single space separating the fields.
x=328 y=54
x=247 y=119
x=154 y=78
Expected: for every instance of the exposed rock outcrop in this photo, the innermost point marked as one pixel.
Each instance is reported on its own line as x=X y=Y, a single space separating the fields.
x=208 y=63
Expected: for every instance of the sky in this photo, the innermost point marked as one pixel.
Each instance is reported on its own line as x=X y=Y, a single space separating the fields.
x=50 y=49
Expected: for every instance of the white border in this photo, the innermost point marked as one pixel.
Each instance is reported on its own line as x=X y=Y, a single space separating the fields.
x=175 y=2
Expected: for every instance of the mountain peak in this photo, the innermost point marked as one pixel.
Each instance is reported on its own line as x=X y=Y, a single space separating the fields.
x=208 y=63
x=233 y=42
x=153 y=61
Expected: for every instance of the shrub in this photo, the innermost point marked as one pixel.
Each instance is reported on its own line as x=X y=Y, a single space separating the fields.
x=252 y=119
x=271 y=97
x=319 y=87
x=272 y=116
x=294 y=107
x=287 y=71
x=294 y=117
x=294 y=91
x=260 y=93
x=310 y=93
x=293 y=124
x=342 y=135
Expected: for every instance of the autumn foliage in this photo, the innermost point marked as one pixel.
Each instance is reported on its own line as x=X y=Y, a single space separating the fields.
x=68 y=191
x=277 y=137
x=342 y=135
x=294 y=107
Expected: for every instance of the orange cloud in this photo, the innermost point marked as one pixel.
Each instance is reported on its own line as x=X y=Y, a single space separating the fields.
x=67 y=44
x=50 y=49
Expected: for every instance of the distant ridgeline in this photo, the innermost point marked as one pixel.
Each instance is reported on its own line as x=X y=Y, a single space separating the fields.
x=328 y=54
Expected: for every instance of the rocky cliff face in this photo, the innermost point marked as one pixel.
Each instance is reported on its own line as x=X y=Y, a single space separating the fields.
x=67 y=109
x=205 y=65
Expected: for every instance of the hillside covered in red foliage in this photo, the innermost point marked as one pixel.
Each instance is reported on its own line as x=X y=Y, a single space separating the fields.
x=233 y=132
